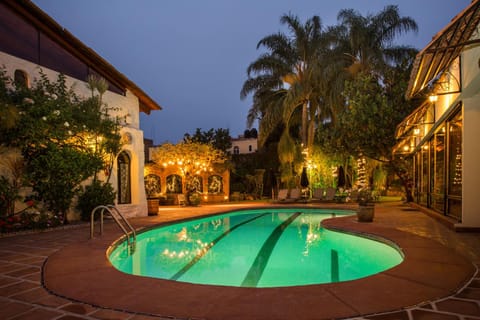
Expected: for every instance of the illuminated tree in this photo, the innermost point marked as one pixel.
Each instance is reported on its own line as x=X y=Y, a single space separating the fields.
x=191 y=158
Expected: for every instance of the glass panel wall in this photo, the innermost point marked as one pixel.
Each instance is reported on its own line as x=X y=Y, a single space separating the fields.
x=417 y=178
x=455 y=165
x=438 y=194
x=424 y=174
x=438 y=169
x=431 y=171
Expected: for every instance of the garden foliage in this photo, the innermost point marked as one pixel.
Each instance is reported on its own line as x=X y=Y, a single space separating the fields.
x=62 y=138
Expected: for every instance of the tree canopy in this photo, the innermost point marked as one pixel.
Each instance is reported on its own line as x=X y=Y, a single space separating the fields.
x=340 y=87
x=218 y=138
x=190 y=157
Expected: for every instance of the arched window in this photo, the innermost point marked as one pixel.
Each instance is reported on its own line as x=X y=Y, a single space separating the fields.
x=153 y=185
x=215 y=184
x=236 y=150
x=196 y=184
x=20 y=78
x=124 y=185
x=174 y=183
x=250 y=148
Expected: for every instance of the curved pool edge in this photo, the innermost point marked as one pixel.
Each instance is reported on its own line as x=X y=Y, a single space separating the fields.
x=120 y=245
x=429 y=271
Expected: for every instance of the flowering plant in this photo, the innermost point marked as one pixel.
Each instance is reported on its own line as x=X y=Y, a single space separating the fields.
x=29 y=219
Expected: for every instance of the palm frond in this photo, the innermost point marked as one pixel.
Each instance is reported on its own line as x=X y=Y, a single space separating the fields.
x=286 y=148
x=260 y=83
x=268 y=64
x=270 y=121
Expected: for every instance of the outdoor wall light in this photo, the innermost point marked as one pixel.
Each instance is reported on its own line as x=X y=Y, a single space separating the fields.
x=416 y=131
x=433 y=98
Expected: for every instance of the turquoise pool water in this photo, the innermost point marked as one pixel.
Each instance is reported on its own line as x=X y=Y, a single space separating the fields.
x=255 y=248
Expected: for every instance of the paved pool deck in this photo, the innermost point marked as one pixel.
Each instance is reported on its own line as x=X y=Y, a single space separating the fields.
x=62 y=274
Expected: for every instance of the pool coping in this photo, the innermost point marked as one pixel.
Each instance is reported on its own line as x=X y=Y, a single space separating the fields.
x=429 y=271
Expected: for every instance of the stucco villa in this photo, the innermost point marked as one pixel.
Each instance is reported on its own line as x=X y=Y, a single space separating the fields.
x=243 y=145
x=442 y=135
x=31 y=41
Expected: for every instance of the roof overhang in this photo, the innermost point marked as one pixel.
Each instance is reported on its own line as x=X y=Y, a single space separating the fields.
x=51 y=28
x=443 y=49
x=405 y=131
x=411 y=122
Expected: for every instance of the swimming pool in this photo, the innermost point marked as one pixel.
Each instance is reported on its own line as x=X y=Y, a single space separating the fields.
x=255 y=248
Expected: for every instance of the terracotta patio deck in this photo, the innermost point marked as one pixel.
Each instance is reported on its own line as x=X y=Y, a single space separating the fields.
x=63 y=275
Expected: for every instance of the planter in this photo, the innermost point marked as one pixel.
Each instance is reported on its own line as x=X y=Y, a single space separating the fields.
x=365 y=213
x=194 y=199
x=153 y=206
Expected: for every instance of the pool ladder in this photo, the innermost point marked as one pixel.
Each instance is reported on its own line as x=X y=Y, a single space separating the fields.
x=121 y=221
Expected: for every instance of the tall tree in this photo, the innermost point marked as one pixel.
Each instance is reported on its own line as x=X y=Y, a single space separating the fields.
x=367 y=126
x=217 y=138
x=290 y=85
x=374 y=93
x=368 y=40
x=285 y=73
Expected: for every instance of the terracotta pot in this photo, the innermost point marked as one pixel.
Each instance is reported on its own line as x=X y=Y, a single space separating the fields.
x=153 y=206
x=365 y=213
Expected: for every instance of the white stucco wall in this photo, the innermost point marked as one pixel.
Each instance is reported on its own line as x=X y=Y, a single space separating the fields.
x=471 y=162
x=470 y=97
x=127 y=105
x=243 y=145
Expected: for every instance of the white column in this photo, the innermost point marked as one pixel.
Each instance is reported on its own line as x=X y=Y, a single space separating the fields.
x=471 y=163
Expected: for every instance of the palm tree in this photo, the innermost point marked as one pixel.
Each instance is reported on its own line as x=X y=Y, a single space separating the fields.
x=267 y=108
x=369 y=40
x=285 y=81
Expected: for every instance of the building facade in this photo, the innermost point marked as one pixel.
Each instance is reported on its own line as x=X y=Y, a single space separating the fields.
x=168 y=183
x=242 y=145
x=31 y=42
x=441 y=137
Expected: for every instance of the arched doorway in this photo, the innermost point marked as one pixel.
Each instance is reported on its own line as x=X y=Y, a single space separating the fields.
x=124 y=183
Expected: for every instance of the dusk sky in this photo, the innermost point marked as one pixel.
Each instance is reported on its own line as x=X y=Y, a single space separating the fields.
x=191 y=56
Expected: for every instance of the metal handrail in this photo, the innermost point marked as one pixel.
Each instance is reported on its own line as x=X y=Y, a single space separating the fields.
x=124 y=220
x=109 y=208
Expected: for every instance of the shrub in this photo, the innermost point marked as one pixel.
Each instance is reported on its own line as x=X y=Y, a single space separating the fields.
x=8 y=196
x=63 y=138
x=94 y=195
x=29 y=219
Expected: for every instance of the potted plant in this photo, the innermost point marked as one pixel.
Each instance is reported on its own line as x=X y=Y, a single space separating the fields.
x=194 y=198
x=152 y=190
x=366 y=205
